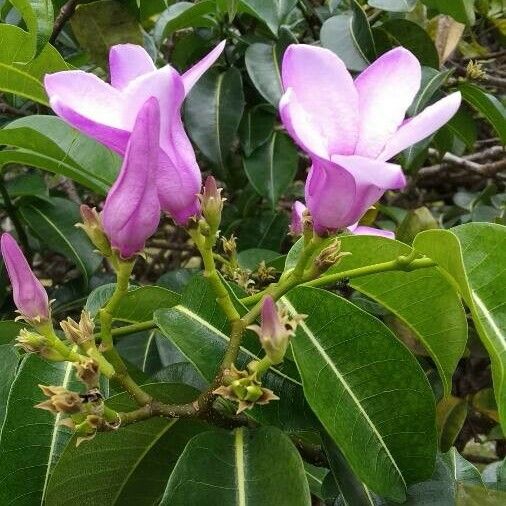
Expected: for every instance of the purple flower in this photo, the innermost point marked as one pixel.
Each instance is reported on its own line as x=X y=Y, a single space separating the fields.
x=107 y=112
x=297 y=221
x=28 y=293
x=363 y=230
x=351 y=128
x=132 y=210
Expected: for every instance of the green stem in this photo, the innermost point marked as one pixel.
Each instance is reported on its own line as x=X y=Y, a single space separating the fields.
x=133 y=328
x=392 y=265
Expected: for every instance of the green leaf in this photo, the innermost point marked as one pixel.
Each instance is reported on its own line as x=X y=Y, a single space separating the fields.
x=54 y=224
x=9 y=360
x=138 y=305
x=39 y=17
x=488 y=105
x=99 y=25
x=472 y=255
x=352 y=490
x=21 y=78
x=182 y=15
x=267 y=231
x=213 y=112
x=263 y=65
x=432 y=80
x=337 y=34
x=464 y=127
x=243 y=467
x=463 y=471
x=393 y=5
x=272 y=12
x=198 y=328
x=451 y=413
x=361 y=31
x=251 y=258
x=382 y=409
x=255 y=129
x=125 y=467
x=460 y=10
x=415 y=221
x=272 y=167
x=31 y=440
x=412 y=297
x=48 y=143
x=401 y=32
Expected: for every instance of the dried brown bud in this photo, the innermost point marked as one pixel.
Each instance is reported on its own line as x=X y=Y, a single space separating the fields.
x=88 y=373
x=330 y=256
x=78 y=333
x=60 y=400
x=229 y=245
x=247 y=396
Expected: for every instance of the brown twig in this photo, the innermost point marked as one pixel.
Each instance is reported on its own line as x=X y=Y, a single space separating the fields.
x=66 y=12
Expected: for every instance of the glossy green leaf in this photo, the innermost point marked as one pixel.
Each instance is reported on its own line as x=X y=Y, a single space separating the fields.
x=54 y=224
x=137 y=305
x=464 y=127
x=423 y=299
x=255 y=129
x=367 y=390
x=39 y=18
x=415 y=221
x=99 y=25
x=263 y=65
x=127 y=467
x=251 y=258
x=182 y=15
x=393 y=5
x=337 y=35
x=258 y=467
x=460 y=10
x=463 y=471
x=213 y=112
x=401 y=32
x=451 y=413
x=22 y=78
x=472 y=255
x=432 y=80
x=272 y=167
x=488 y=105
x=272 y=12
x=31 y=440
x=267 y=231
x=9 y=359
x=352 y=490
x=48 y=143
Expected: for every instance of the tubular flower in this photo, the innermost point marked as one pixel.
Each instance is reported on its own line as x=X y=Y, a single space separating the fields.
x=107 y=112
x=132 y=211
x=29 y=295
x=351 y=128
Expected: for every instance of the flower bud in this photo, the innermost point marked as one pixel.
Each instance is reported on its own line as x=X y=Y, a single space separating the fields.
x=296 y=225
x=275 y=330
x=229 y=245
x=88 y=372
x=92 y=225
x=28 y=293
x=87 y=430
x=329 y=256
x=60 y=400
x=78 y=333
x=212 y=203
x=247 y=396
x=32 y=342
x=132 y=210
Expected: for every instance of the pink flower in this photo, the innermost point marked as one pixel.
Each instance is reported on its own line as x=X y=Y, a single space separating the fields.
x=107 y=112
x=297 y=219
x=132 y=210
x=350 y=128
x=28 y=293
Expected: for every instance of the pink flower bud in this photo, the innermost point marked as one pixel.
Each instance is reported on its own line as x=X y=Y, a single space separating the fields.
x=297 y=222
x=28 y=293
x=132 y=210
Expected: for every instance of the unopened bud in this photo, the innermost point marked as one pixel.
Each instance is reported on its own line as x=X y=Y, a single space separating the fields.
x=31 y=342
x=248 y=395
x=92 y=225
x=87 y=430
x=78 y=333
x=60 y=400
x=474 y=70
x=275 y=330
x=212 y=203
x=330 y=256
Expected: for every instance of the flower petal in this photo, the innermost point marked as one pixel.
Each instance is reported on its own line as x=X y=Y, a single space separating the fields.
x=193 y=74
x=330 y=194
x=421 y=126
x=132 y=211
x=127 y=62
x=386 y=89
x=299 y=126
x=363 y=230
x=90 y=105
x=325 y=90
